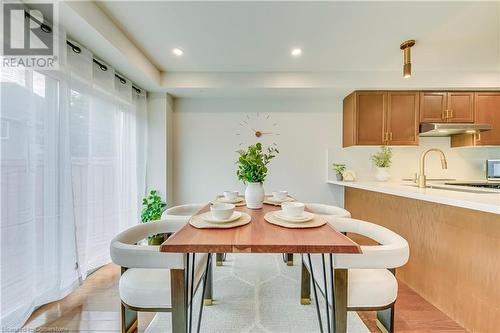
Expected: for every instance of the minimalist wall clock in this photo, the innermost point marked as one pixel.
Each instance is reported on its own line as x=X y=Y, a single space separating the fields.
x=257 y=127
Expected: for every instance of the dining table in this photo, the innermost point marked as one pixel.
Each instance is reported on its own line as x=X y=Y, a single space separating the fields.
x=258 y=236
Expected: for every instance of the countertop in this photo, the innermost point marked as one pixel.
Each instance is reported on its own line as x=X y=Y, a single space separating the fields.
x=486 y=200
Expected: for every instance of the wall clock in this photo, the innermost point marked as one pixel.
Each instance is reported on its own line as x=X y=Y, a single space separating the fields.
x=257 y=128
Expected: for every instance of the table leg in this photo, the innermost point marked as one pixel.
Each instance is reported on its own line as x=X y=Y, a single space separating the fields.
x=305 y=285
x=178 y=288
x=339 y=307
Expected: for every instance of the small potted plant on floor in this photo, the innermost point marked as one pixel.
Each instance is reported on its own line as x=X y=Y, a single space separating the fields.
x=382 y=160
x=152 y=208
x=339 y=169
x=252 y=170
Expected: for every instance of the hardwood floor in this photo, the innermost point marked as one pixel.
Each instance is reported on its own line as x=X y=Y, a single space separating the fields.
x=95 y=307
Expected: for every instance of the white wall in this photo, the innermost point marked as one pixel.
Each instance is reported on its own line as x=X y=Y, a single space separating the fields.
x=311 y=131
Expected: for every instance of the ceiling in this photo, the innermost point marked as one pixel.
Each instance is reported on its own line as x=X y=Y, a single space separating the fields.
x=334 y=36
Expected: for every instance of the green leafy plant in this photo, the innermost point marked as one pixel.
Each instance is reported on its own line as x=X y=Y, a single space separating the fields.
x=339 y=168
x=152 y=207
x=252 y=163
x=382 y=158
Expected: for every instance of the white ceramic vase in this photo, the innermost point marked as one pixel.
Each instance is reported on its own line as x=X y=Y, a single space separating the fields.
x=254 y=195
x=382 y=174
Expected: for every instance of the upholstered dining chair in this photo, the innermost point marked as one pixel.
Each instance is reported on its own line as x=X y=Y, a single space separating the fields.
x=371 y=281
x=145 y=283
x=328 y=212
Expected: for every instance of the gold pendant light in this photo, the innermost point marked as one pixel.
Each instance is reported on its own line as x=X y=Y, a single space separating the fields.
x=406 y=46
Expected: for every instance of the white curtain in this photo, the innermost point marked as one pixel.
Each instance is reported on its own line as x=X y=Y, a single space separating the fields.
x=72 y=174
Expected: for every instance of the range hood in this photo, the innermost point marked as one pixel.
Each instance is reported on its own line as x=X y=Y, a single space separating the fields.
x=447 y=129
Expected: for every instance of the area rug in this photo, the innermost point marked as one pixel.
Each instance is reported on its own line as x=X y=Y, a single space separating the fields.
x=257 y=293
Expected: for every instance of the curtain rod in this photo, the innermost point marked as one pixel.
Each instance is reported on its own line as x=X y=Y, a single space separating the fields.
x=102 y=66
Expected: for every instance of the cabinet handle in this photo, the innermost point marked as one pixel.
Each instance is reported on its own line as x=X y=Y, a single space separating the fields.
x=385 y=137
x=451 y=113
x=390 y=136
x=444 y=114
x=478 y=136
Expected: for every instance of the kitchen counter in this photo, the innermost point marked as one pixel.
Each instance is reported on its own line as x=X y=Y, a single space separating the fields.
x=486 y=200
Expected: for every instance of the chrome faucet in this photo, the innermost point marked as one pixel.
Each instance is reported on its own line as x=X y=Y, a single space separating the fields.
x=422 y=183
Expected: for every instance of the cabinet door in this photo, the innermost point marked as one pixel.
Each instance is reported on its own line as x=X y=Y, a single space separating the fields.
x=488 y=112
x=460 y=107
x=432 y=107
x=370 y=117
x=402 y=117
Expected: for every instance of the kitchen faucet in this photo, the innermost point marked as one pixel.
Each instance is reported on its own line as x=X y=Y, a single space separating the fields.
x=422 y=183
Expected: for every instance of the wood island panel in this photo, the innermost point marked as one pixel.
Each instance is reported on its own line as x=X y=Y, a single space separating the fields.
x=259 y=236
x=454 y=253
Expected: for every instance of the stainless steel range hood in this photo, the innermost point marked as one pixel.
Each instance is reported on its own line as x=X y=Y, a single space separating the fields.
x=447 y=129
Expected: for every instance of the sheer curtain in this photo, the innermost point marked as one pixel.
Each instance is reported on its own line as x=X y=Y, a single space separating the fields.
x=72 y=173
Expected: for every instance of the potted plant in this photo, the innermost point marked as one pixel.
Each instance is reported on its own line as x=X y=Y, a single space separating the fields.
x=252 y=170
x=152 y=208
x=339 y=169
x=382 y=160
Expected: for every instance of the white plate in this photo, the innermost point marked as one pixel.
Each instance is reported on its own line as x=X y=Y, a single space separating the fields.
x=271 y=199
x=209 y=218
x=306 y=216
x=238 y=199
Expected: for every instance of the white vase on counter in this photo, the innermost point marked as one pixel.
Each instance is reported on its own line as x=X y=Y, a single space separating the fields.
x=382 y=175
x=254 y=195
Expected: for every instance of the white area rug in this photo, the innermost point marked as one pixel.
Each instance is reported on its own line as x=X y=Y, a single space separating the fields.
x=257 y=293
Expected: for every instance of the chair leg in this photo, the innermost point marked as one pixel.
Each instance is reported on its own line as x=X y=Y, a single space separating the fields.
x=219 y=259
x=128 y=319
x=208 y=297
x=385 y=320
x=305 y=285
x=340 y=300
x=289 y=259
x=179 y=300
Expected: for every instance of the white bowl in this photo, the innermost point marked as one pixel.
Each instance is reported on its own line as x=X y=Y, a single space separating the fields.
x=292 y=209
x=222 y=211
x=230 y=195
x=280 y=195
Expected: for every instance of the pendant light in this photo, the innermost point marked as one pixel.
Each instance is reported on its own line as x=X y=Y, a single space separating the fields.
x=406 y=46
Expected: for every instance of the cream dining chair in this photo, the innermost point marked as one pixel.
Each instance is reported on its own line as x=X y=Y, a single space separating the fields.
x=326 y=211
x=145 y=283
x=371 y=281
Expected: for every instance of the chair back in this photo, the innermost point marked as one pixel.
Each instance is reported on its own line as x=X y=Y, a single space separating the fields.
x=322 y=209
x=392 y=252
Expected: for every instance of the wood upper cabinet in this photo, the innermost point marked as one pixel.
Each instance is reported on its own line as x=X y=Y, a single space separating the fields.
x=380 y=117
x=487 y=111
x=446 y=107
x=402 y=119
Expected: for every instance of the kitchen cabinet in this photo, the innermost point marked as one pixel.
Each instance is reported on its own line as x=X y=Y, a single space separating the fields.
x=446 y=107
x=380 y=117
x=487 y=111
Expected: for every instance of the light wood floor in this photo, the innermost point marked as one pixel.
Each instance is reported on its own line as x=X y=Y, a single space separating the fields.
x=95 y=307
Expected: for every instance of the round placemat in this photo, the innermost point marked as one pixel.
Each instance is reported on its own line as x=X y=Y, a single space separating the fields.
x=317 y=221
x=238 y=204
x=197 y=222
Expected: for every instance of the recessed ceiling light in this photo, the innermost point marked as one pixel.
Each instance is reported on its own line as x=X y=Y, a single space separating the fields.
x=177 y=51
x=296 y=52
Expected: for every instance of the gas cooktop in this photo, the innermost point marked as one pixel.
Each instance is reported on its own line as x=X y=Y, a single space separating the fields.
x=493 y=185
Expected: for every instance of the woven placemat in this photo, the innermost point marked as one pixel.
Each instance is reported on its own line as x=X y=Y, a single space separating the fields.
x=197 y=222
x=317 y=221
x=275 y=203
x=238 y=204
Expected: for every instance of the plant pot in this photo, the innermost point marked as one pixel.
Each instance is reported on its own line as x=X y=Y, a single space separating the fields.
x=156 y=239
x=382 y=174
x=339 y=176
x=254 y=195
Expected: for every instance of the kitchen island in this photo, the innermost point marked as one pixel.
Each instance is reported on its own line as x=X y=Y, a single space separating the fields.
x=454 y=240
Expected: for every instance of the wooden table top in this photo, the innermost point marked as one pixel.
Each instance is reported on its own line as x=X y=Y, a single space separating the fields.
x=259 y=236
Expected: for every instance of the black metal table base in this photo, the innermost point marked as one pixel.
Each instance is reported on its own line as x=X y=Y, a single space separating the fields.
x=189 y=276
